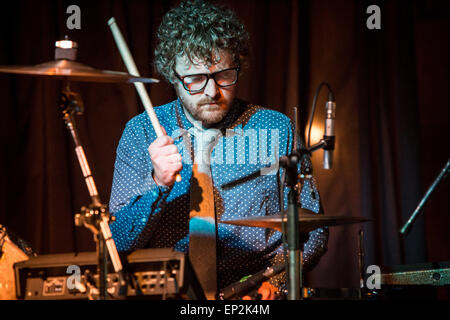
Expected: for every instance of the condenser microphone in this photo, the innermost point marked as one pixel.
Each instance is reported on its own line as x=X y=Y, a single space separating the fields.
x=329 y=135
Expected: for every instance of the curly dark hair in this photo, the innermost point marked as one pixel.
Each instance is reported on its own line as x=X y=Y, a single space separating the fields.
x=197 y=29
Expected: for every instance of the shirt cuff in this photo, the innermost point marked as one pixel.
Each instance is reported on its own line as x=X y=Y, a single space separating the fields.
x=150 y=185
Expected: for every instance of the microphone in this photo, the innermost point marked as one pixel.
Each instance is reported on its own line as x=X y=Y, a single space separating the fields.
x=329 y=135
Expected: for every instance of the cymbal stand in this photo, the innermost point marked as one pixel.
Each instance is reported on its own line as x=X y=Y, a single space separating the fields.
x=294 y=238
x=95 y=217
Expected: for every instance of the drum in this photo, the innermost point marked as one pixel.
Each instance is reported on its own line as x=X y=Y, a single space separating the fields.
x=12 y=250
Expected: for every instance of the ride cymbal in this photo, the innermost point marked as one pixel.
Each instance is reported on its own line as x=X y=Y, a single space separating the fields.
x=73 y=71
x=308 y=221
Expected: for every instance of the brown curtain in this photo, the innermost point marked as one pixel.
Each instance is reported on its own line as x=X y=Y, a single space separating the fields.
x=392 y=130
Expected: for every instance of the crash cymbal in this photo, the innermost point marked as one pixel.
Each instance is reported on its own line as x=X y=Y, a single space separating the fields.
x=308 y=221
x=73 y=71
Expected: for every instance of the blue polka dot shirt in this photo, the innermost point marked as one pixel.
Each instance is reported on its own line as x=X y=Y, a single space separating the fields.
x=149 y=216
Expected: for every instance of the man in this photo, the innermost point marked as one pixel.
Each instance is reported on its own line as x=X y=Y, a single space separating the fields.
x=202 y=48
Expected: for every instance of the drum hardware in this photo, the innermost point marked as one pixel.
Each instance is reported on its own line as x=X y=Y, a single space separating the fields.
x=95 y=217
x=307 y=222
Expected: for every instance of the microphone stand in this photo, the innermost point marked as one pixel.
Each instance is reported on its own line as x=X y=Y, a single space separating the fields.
x=407 y=226
x=95 y=217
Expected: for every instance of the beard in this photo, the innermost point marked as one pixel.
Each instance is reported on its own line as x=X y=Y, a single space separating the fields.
x=208 y=111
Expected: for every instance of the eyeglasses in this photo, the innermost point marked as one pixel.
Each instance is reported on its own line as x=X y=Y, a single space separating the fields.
x=195 y=83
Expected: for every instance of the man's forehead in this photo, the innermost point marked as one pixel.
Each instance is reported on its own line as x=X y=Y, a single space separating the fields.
x=222 y=60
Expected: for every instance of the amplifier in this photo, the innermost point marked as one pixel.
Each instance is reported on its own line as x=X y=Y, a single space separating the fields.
x=151 y=274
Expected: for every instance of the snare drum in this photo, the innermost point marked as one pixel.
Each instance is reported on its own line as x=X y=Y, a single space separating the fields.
x=12 y=250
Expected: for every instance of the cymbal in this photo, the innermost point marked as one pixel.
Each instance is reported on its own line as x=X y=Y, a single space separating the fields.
x=74 y=71
x=308 y=221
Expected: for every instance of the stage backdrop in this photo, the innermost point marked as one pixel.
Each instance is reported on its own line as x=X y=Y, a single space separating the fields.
x=392 y=117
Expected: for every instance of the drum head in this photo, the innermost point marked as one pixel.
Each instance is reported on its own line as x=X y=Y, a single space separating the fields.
x=12 y=250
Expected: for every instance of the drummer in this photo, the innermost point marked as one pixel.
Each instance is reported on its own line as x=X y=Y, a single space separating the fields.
x=211 y=138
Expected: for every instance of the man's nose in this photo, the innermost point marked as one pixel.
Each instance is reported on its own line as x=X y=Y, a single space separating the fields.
x=211 y=89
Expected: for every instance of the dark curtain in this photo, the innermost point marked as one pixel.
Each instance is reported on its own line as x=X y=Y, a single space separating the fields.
x=392 y=129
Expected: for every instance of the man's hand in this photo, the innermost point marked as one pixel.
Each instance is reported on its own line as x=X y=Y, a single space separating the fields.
x=166 y=160
x=266 y=290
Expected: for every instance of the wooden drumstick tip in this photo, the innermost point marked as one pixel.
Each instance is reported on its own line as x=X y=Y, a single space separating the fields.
x=111 y=21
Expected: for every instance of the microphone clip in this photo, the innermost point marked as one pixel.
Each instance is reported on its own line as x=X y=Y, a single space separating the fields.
x=328 y=142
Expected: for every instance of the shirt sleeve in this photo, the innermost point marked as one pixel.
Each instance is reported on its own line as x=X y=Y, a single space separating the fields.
x=136 y=200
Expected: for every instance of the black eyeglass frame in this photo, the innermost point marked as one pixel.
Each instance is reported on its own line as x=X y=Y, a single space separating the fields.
x=208 y=76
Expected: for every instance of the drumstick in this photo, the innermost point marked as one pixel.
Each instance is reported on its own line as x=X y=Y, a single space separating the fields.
x=131 y=66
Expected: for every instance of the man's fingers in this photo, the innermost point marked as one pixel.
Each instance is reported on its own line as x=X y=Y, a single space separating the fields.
x=169 y=169
x=267 y=291
x=165 y=151
x=174 y=158
x=264 y=292
x=166 y=160
x=176 y=167
x=161 y=141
